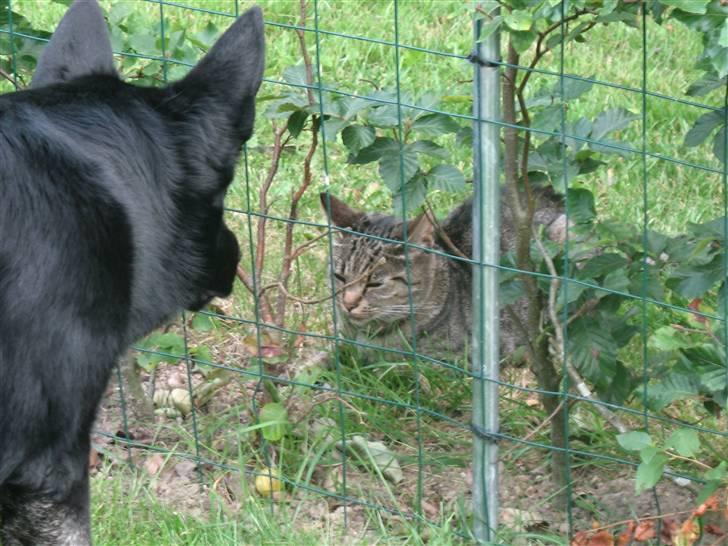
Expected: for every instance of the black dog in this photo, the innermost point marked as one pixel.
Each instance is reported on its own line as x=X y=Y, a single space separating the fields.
x=111 y=205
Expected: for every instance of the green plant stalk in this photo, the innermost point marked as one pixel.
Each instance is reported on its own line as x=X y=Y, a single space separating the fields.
x=548 y=377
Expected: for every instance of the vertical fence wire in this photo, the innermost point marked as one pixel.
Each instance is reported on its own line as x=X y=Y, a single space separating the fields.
x=332 y=278
x=565 y=449
x=414 y=357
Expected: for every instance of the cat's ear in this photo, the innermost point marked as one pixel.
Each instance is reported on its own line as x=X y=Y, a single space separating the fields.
x=421 y=230
x=80 y=46
x=224 y=83
x=340 y=214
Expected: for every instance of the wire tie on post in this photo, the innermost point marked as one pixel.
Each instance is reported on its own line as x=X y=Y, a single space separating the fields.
x=474 y=58
x=484 y=434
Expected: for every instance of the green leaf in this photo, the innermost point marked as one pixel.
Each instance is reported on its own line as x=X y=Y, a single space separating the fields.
x=413 y=196
x=616 y=280
x=331 y=127
x=719 y=145
x=581 y=205
x=593 y=348
x=295 y=75
x=377 y=455
x=648 y=474
x=685 y=441
x=521 y=20
x=723 y=38
x=428 y=147
x=435 y=125
x=692 y=282
x=357 y=137
x=611 y=120
x=522 y=40
x=349 y=107
x=667 y=338
x=275 y=418
x=296 y=121
x=397 y=169
x=675 y=386
x=601 y=265
x=202 y=322
x=703 y=127
x=201 y=352
x=375 y=151
x=548 y=119
x=634 y=440
x=206 y=37
x=574 y=87
x=490 y=27
x=688 y=6
x=385 y=116
x=705 y=85
x=446 y=178
x=717 y=473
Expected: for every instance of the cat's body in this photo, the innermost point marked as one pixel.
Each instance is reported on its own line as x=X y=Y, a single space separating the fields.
x=377 y=285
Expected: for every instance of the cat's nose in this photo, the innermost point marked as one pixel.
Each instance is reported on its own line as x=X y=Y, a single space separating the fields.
x=352 y=297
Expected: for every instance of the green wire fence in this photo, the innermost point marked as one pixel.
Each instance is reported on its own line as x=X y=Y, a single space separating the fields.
x=620 y=377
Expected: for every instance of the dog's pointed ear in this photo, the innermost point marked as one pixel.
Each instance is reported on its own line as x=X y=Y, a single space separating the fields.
x=80 y=46
x=232 y=71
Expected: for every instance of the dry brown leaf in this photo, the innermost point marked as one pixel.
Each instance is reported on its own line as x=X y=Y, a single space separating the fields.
x=580 y=539
x=625 y=538
x=153 y=464
x=713 y=529
x=589 y=538
x=645 y=531
x=688 y=534
x=710 y=505
x=669 y=529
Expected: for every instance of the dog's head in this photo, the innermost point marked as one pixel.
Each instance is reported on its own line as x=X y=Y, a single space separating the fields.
x=209 y=113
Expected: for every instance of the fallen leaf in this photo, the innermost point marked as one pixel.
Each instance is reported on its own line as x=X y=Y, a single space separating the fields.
x=589 y=538
x=602 y=538
x=645 y=531
x=713 y=529
x=378 y=454
x=669 y=529
x=689 y=533
x=153 y=464
x=710 y=505
x=625 y=538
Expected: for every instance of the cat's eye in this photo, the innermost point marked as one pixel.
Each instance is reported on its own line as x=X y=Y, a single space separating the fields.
x=339 y=277
x=374 y=284
x=400 y=279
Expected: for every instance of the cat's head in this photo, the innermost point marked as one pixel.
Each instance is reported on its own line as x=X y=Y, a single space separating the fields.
x=210 y=114
x=377 y=283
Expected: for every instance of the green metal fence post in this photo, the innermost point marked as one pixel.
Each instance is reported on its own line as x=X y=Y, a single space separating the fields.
x=486 y=252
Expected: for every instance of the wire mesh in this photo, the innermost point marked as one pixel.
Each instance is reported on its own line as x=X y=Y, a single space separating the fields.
x=259 y=348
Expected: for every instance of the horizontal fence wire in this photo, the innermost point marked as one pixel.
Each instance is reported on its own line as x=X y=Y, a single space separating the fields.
x=355 y=408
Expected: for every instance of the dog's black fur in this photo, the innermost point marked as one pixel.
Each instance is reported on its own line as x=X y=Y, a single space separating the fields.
x=111 y=221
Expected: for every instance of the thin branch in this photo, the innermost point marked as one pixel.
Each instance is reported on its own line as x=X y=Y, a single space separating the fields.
x=8 y=77
x=266 y=311
x=263 y=199
x=443 y=235
x=540 y=40
x=288 y=257
x=304 y=52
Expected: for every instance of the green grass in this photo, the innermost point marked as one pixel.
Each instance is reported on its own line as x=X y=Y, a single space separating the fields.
x=126 y=507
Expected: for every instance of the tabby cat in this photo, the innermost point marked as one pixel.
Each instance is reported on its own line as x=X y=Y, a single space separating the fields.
x=375 y=289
